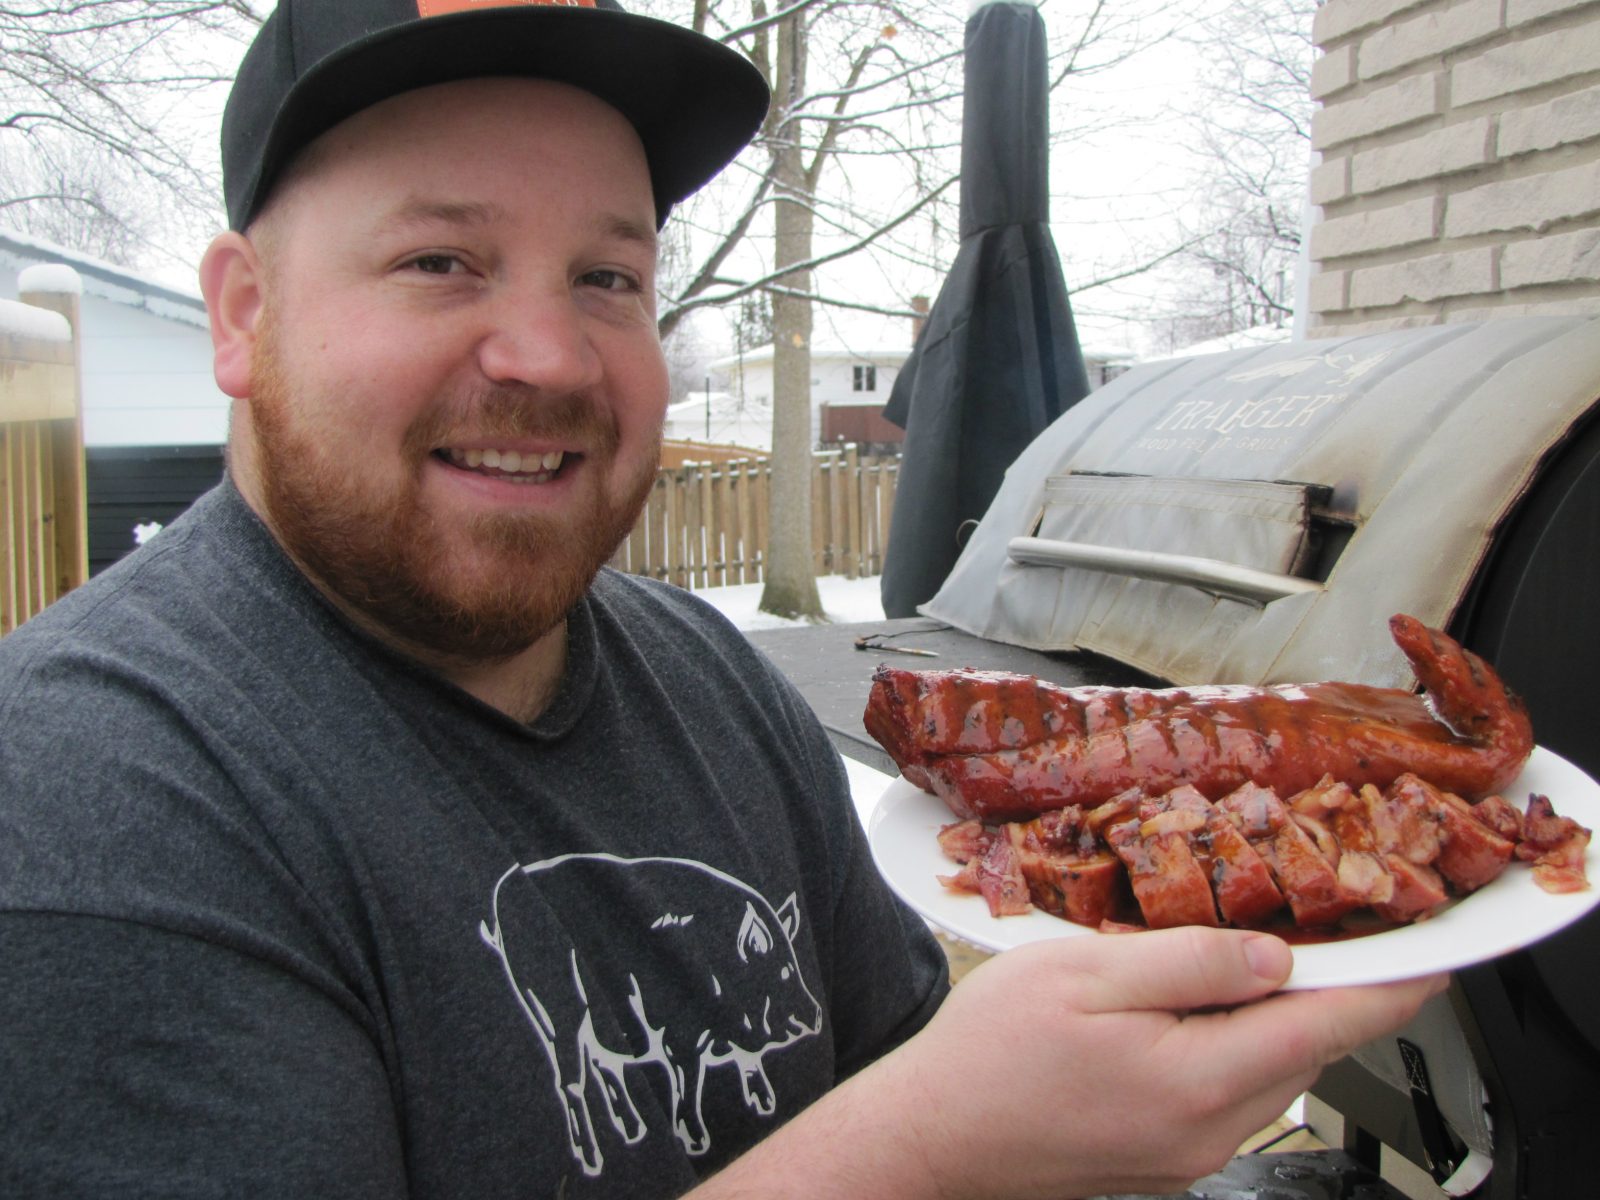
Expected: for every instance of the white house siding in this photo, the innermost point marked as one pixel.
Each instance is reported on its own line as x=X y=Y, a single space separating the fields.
x=147 y=380
x=832 y=378
x=146 y=354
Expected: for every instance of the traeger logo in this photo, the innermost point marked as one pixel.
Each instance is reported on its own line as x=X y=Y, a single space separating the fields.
x=1266 y=425
x=1292 y=411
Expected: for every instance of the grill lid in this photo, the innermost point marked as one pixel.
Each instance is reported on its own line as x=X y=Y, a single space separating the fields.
x=1254 y=517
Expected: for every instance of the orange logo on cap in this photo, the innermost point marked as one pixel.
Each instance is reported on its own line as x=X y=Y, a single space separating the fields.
x=438 y=8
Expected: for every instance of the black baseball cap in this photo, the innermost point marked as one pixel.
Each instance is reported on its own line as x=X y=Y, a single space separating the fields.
x=695 y=102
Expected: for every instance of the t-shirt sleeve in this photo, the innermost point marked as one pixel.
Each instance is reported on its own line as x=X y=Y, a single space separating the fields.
x=135 y=1062
x=172 y=1021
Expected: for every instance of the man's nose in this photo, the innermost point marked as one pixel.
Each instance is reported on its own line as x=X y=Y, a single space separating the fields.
x=541 y=341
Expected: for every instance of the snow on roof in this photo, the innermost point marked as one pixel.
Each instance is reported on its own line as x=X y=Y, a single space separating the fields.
x=888 y=355
x=107 y=281
x=1240 y=339
x=729 y=421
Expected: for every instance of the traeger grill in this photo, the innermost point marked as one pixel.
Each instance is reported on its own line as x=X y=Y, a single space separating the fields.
x=1255 y=517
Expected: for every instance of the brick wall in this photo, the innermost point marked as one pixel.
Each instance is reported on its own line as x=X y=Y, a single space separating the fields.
x=1460 y=162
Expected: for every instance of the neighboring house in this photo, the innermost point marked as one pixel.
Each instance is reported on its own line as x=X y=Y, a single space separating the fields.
x=720 y=419
x=849 y=388
x=1458 y=176
x=154 y=422
x=1105 y=363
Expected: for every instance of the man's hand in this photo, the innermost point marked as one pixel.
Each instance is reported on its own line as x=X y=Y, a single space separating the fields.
x=1087 y=1065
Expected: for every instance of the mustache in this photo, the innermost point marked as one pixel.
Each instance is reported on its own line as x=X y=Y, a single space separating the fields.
x=515 y=410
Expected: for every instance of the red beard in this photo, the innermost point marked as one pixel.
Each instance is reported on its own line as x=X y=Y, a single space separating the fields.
x=382 y=553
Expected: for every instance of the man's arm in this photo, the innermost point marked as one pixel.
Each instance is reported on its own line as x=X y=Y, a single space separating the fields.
x=1077 y=1067
x=135 y=1061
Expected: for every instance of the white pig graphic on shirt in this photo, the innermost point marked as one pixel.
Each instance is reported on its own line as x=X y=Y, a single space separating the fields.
x=742 y=998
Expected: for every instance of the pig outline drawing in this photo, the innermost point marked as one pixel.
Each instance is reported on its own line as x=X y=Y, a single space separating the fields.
x=763 y=941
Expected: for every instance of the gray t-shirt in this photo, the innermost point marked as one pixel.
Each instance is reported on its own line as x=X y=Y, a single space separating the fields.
x=282 y=913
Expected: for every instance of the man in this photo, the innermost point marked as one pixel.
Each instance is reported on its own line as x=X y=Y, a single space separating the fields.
x=359 y=839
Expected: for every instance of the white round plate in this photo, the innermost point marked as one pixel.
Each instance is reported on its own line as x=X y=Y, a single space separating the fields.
x=1508 y=914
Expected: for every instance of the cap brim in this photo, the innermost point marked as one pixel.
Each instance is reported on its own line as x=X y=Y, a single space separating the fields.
x=694 y=102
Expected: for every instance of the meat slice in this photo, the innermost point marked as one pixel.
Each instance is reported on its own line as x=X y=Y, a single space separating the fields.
x=1470 y=853
x=1240 y=880
x=1368 y=829
x=1168 y=882
x=965 y=840
x=1068 y=873
x=1500 y=815
x=1308 y=881
x=1556 y=846
x=991 y=868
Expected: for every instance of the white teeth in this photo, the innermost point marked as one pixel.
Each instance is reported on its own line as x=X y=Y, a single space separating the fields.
x=509 y=462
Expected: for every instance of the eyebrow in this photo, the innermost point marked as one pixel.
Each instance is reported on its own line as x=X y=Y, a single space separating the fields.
x=417 y=211
x=625 y=229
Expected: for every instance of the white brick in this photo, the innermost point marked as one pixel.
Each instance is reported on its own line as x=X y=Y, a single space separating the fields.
x=1462 y=273
x=1329 y=291
x=1579 y=305
x=1413 y=99
x=1333 y=72
x=1574 y=117
x=1376 y=229
x=1561 y=258
x=1534 y=202
x=1362 y=328
x=1330 y=180
x=1337 y=18
x=1527 y=64
x=1445 y=151
x=1520 y=12
x=1430 y=35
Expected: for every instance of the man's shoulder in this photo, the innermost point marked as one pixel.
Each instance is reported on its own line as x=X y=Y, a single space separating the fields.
x=177 y=612
x=639 y=602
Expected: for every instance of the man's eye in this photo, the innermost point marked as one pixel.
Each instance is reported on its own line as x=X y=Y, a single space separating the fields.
x=435 y=264
x=611 y=281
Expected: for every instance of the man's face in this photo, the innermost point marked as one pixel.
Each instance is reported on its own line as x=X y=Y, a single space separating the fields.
x=457 y=390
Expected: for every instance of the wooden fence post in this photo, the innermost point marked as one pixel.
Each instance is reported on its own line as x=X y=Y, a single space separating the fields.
x=706 y=524
x=44 y=541
x=852 y=513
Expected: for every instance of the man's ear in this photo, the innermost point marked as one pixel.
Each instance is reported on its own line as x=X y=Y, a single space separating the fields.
x=232 y=282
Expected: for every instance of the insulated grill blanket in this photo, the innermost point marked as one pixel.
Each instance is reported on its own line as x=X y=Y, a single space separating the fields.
x=1377 y=467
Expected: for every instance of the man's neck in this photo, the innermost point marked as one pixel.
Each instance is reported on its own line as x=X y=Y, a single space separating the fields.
x=521 y=685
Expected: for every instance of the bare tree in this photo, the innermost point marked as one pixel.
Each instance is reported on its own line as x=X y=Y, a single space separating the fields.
x=108 y=117
x=1251 y=127
x=857 y=162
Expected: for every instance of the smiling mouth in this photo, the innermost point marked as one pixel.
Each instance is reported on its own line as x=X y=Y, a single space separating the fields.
x=507 y=465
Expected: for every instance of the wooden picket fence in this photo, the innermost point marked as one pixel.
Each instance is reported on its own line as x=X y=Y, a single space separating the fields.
x=707 y=524
x=43 y=519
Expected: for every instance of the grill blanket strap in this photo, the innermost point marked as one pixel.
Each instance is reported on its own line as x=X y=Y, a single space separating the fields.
x=1367 y=475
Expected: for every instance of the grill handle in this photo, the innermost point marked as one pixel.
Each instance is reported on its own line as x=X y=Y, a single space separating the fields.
x=1207 y=574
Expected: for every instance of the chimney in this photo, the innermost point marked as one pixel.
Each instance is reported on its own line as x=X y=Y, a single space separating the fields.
x=919 y=307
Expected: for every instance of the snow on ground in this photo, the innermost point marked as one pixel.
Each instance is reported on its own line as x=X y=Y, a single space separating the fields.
x=846 y=601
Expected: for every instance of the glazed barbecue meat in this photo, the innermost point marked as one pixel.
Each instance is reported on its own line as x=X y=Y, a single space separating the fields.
x=1254 y=860
x=1004 y=747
